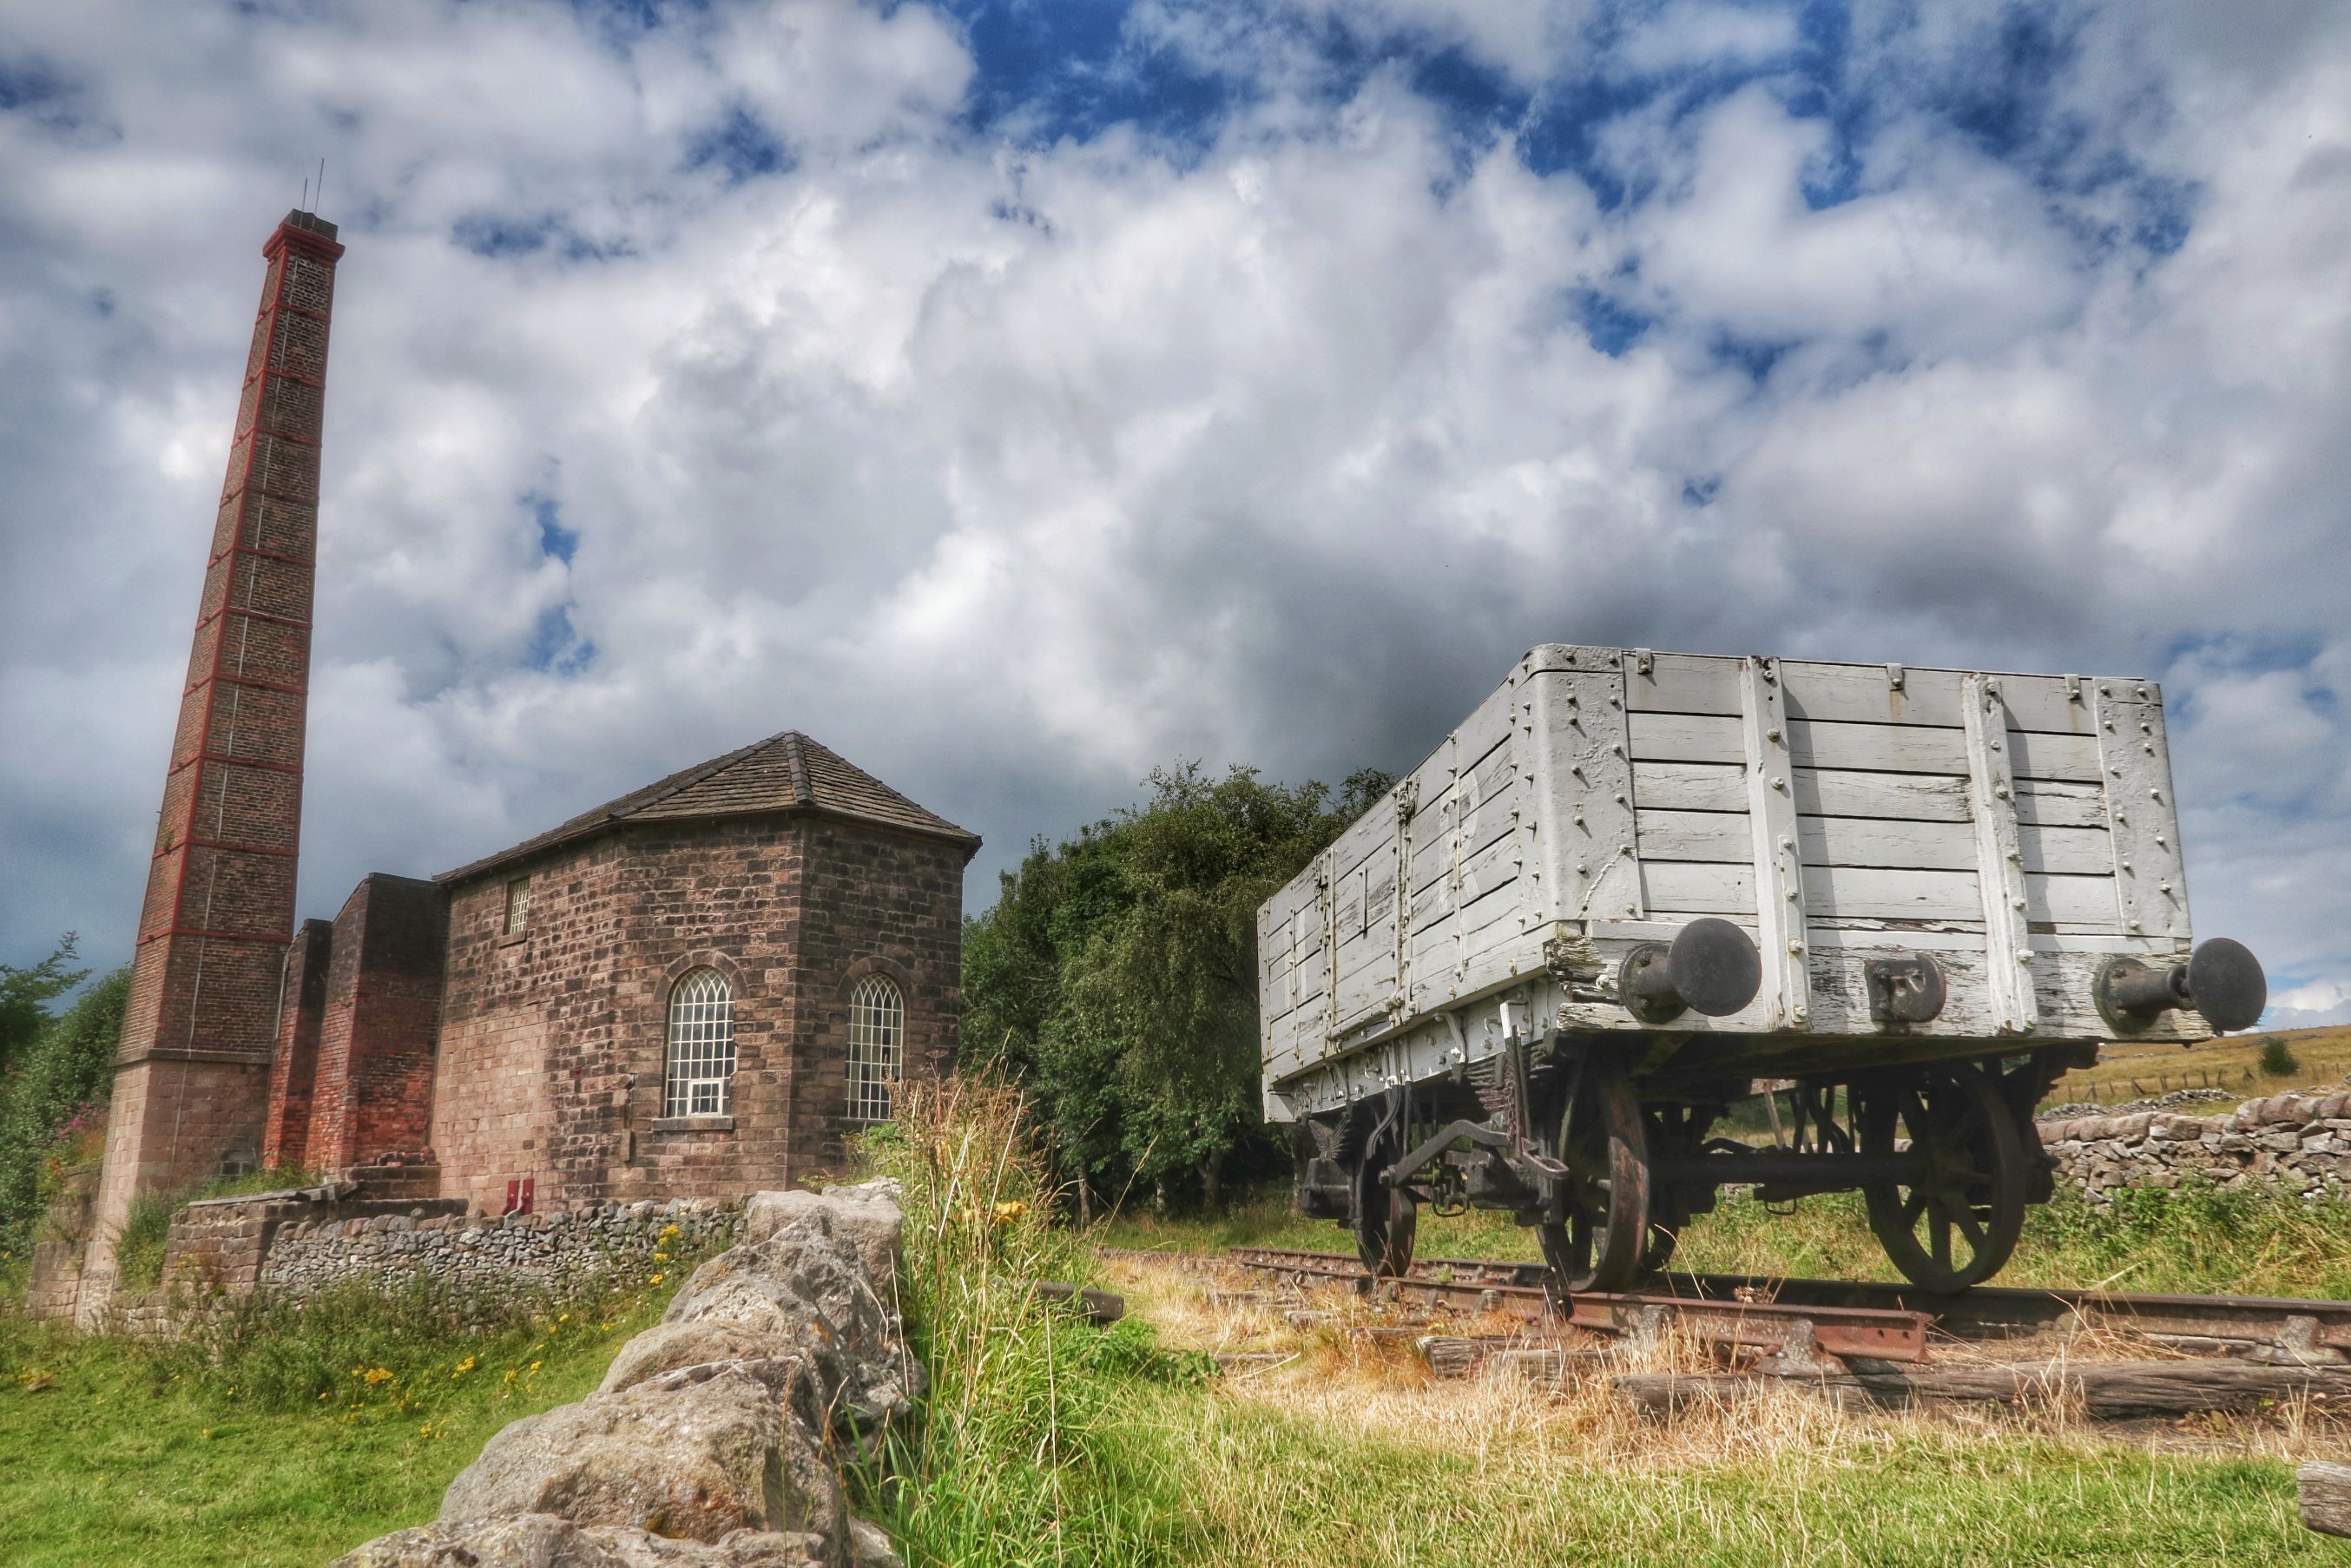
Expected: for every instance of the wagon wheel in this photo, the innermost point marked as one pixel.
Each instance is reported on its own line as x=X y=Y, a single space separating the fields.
x=1956 y=1224
x=1605 y=1144
x=1385 y=1215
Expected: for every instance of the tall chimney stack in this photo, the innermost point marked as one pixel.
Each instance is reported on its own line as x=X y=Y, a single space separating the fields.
x=192 y=1077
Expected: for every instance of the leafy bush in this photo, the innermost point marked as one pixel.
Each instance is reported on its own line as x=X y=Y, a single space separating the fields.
x=139 y=1245
x=2278 y=1060
x=1116 y=977
x=54 y=1116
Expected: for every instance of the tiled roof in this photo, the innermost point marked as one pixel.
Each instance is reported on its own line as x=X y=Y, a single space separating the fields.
x=786 y=772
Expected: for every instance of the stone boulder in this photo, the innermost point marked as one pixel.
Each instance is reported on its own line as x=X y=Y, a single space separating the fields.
x=546 y=1540
x=683 y=1455
x=667 y=1347
x=865 y=1215
x=806 y=1285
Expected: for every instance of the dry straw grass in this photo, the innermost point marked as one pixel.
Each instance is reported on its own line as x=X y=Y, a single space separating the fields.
x=1382 y=1388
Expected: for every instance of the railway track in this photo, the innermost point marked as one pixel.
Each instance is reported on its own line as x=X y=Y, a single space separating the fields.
x=1874 y=1322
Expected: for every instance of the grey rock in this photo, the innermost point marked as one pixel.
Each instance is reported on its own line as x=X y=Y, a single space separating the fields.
x=666 y=1347
x=546 y=1540
x=807 y=1286
x=681 y=1455
x=867 y=1216
x=869 y=1547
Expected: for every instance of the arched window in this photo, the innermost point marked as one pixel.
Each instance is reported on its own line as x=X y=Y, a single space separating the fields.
x=700 y=1081
x=877 y=1047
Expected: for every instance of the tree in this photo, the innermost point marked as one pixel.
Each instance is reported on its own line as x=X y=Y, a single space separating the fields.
x=61 y=1084
x=1116 y=974
x=2278 y=1060
x=26 y=995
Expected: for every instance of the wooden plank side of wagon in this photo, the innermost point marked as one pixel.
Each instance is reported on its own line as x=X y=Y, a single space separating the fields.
x=1855 y=694
x=1694 y=887
x=1866 y=747
x=1910 y=797
x=1671 y=835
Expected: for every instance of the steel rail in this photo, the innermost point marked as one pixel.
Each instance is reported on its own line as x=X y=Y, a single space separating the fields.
x=1879 y=1332
x=2316 y=1330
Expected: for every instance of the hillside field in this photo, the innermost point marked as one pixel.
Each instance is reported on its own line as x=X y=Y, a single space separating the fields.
x=2128 y=1072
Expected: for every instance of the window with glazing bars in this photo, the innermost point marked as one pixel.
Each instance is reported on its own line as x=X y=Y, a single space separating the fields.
x=701 y=1077
x=877 y=1047
x=517 y=906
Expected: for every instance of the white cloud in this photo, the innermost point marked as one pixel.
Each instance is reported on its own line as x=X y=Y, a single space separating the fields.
x=1013 y=468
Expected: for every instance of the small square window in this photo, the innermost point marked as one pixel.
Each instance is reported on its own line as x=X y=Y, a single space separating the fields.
x=517 y=906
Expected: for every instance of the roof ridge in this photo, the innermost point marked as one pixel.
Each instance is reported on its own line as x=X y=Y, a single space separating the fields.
x=716 y=766
x=795 y=754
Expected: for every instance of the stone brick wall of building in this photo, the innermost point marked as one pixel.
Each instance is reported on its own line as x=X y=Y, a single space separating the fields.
x=552 y=1041
x=873 y=902
x=2299 y=1141
x=302 y=1001
x=371 y=1088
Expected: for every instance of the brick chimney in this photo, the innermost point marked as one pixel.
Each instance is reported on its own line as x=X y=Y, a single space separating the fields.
x=191 y=1078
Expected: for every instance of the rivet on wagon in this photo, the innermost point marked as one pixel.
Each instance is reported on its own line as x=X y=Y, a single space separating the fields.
x=2025 y=957
x=1628 y=849
x=2134 y=924
x=2165 y=885
x=1618 y=748
x=2017 y=902
x=1781 y=784
x=1620 y=797
x=1796 y=949
x=1771 y=735
x=2126 y=865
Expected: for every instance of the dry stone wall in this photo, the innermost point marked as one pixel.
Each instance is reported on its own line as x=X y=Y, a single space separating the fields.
x=523 y=1252
x=2300 y=1143
x=720 y=1436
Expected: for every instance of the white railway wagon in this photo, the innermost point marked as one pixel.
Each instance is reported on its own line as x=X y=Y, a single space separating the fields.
x=1631 y=883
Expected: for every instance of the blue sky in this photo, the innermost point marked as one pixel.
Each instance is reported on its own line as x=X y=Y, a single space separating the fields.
x=1018 y=395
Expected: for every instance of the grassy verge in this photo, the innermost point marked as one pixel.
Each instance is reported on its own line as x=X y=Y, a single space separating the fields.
x=1045 y=1448
x=283 y=1437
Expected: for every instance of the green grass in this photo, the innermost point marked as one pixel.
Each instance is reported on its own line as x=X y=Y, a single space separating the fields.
x=1040 y=1450
x=282 y=1437
x=1264 y=1487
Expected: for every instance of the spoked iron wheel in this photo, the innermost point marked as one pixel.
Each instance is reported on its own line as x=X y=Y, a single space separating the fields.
x=1385 y=1217
x=1958 y=1221
x=1605 y=1144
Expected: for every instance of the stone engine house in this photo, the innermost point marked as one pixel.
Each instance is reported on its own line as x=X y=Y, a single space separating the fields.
x=696 y=991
